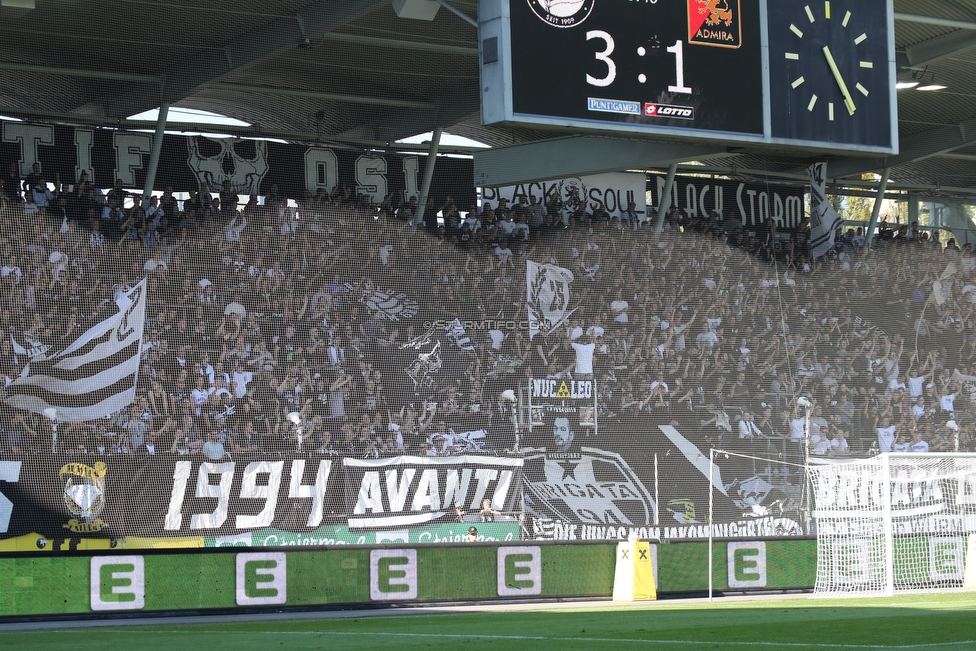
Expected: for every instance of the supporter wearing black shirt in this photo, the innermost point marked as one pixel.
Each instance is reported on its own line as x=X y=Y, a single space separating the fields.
x=33 y=178
x=11 y=186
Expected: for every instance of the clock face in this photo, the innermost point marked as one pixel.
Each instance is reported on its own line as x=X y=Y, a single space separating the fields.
x=829 y=71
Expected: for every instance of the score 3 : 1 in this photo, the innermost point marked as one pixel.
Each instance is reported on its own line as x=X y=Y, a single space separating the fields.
x=679 y=63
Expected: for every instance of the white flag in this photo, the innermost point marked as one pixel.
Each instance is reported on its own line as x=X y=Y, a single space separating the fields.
x=457 y=333
x=547 y=295
x=824 y=220
x=93 y=376
x=942 y=286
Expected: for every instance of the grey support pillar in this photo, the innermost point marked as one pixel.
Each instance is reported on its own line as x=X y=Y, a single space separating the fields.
x=435 y=142
x=882 y=187
x=912 y=207
x=157 y=148
x=665 y=204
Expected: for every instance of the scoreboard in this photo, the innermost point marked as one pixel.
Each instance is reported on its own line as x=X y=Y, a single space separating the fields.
x=810 y=73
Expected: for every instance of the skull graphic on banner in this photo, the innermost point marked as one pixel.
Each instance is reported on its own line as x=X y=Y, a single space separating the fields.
x=242 y=162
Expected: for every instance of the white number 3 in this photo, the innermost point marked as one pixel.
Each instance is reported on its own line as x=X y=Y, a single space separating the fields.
x=604 y=57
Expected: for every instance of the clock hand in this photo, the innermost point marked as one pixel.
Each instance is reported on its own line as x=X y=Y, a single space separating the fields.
x=848 y=100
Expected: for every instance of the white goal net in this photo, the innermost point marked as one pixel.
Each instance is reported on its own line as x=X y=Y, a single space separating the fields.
x=897 y=522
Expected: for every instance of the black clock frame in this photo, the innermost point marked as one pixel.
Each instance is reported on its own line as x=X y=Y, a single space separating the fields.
x=790 y=102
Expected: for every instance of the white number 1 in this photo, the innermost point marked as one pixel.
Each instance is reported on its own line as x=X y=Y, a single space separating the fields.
x=605 y=57
x=679 y=68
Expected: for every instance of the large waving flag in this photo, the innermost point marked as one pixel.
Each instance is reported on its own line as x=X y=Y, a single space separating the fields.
x=93 y=376
x=824 y=220
x=547 y=295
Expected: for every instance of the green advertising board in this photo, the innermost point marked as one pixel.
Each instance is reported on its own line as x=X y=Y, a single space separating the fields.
x=44 y=584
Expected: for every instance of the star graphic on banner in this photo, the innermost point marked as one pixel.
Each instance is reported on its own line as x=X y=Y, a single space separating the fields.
x=596 y=504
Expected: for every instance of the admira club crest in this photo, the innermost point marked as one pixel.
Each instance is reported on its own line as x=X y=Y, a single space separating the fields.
x=562 y=13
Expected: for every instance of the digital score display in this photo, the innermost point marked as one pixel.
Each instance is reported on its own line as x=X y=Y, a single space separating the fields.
x=679 y=63
x=814 y=73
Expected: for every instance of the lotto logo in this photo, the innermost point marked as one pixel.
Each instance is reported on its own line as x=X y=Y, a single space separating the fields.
x=393 y=574
x=747 y=565
x=653 y=110
x=262 y=579
x=519 y=571
x=118 y=583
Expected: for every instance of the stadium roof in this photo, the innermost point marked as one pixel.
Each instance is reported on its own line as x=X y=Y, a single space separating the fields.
x=351 y=72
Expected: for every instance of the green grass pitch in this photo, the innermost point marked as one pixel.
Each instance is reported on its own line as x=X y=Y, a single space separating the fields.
x=928 y=621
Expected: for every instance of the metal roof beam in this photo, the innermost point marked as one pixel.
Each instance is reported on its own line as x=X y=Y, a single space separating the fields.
x=933 y=20
x=75 y=72
x=914 y=148
x=198 y=70
x=314 y=94
x=966 y=157
x=396 y=44
x=937 y=48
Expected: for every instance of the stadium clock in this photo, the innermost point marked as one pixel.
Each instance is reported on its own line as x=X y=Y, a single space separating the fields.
x=829 y=72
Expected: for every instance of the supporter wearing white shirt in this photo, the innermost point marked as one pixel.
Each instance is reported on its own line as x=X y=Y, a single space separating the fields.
x=798 y=429
x=503 y=252
x=918 y=443
x=619 y=308
x=821 y=445
x=473 y=222
x=200 y=395
x=242 y=377
x=947 y=403
x=584 y=357
x=886 y=436
x=840 y=445
x=918 y=409
x=748 y=428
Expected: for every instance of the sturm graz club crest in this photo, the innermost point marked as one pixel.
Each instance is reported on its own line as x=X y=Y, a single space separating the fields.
x=84 y=495
x=562 y=13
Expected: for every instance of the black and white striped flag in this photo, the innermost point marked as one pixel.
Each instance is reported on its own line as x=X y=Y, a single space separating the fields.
x=824 y=220
x=93 y=376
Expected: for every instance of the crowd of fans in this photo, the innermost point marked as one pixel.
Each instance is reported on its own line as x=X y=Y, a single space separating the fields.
x=277 y=330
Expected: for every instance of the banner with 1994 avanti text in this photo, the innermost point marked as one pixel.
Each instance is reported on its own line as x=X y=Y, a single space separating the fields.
x=49 y=502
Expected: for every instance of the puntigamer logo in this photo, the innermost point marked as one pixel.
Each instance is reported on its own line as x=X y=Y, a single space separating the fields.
x=562 y=13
